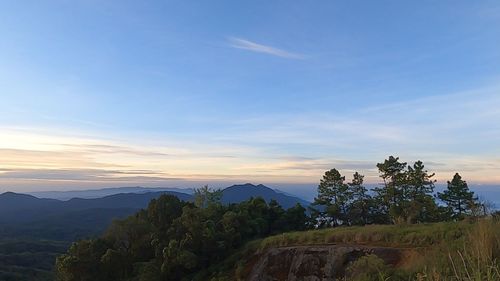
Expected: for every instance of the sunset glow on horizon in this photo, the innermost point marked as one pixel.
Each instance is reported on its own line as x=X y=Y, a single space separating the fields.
x=33 y=161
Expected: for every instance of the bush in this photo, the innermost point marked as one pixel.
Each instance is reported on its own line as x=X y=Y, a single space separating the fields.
x=367 y=268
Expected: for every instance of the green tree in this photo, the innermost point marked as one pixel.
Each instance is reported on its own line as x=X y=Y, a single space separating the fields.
x=390 y=195
x=231 y=223
x=172 y=240
x=458 y=198
x=417 y=194
x=276 y=217
x=295 y=218
x=177 y=260
x=258 y=212
x=360 y=204
x=333 y=197
x=205 y=197
x=116 y=264
x=82 y=262
x=149 y=271
x=162 y=211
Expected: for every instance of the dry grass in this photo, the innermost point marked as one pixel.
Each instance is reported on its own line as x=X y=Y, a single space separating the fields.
x=477 y=260
x=422 y=235
x=451 y=251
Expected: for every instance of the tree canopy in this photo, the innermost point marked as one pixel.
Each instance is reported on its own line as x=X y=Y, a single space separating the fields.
x=458 y=198
x=172 y=239
x=176 y=240
x=405 y=196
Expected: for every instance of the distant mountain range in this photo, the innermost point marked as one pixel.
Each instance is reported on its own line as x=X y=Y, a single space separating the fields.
x=98 y=193
x=47 y=218
x=22 y=207
x=242 y=192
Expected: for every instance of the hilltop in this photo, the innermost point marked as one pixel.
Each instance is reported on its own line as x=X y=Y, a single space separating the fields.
x=375 y=252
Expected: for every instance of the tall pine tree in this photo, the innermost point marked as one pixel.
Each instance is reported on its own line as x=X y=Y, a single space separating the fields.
x=333 y=197
x=390 y=196
x=419 y=187
x=457 y=197
x=360 y=205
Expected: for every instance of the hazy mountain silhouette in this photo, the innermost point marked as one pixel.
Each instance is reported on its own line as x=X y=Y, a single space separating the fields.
x=29 y=216
x=10 y=201
x=242 y=192
x=98 y=193
x=122 y=200
x=16 y=207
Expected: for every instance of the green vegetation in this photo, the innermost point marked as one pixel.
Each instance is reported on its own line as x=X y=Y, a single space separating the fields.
x=29 y=259
x=367 y=268
x=440 y=247
x=28 y=251
x=405 y=197
x=176 y=240
x=458 y=197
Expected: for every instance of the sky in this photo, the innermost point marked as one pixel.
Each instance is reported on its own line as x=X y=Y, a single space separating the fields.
x=100 y=94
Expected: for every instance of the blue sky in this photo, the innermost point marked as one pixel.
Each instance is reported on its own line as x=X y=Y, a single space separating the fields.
x=180 y=93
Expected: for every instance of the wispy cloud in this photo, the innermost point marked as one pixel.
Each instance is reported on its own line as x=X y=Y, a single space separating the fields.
x=83 y=174
x=317 y=166
x=450 y=133
x=248 y=45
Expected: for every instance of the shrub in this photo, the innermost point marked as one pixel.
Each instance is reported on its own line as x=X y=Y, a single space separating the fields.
x=367 y=268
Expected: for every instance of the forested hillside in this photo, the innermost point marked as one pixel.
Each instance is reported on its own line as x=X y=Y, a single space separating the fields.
x=176 y=240
x=172 y=239
x=33 y=231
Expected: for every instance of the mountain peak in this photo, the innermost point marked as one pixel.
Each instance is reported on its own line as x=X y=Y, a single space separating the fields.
x=248 y=185
x=240 y=192
x=10 y=194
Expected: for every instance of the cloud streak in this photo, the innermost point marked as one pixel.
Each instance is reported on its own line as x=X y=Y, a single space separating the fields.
x=453 y=133
x=244 y=44
x=102 y=175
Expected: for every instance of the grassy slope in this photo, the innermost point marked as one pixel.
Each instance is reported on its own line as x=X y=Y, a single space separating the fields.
x=421 y=235
x=449 y=251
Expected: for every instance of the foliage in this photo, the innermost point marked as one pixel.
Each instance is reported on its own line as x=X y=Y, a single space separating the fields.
x=390 y=196
x=204 y=197
x=172 y=239
x=367 y=268
x=204 y=240
x=333 y=196
x=406 y=196
x=458 y=198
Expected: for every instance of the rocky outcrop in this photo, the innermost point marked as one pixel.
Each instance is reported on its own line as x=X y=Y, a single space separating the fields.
x=315 y=263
